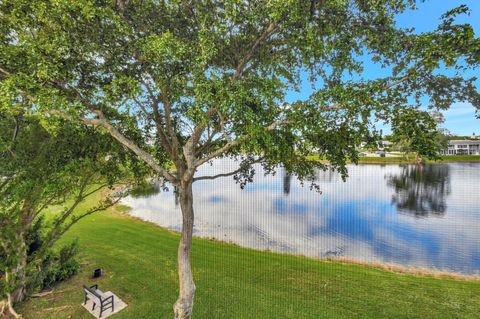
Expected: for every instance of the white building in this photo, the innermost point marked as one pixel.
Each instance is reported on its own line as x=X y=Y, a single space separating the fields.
x=381 y=145
x=462 y=147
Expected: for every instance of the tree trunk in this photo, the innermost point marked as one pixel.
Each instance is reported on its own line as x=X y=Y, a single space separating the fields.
x=6 y=309
x=418 y=159
x=184 y=305
x=18 y=274
x=6 y=305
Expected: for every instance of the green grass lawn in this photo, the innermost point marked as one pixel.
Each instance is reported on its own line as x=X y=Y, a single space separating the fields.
x=139 y=260
x=411 y=160
x=460 y=158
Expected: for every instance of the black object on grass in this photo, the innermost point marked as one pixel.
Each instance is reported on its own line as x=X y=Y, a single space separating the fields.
x=97 y=273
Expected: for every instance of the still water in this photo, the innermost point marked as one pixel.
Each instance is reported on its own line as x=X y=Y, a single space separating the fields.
x=422 y=216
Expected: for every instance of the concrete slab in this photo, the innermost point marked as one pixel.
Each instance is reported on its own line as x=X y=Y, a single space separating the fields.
x=118 y=305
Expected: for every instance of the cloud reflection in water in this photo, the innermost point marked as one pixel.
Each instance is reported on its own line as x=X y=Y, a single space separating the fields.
x=381 y=213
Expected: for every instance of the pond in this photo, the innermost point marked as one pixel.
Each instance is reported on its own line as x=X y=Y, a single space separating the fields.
x=423 y=216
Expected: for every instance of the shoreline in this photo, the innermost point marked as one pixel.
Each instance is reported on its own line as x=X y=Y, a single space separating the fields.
x=393 y=160
x=385 y=266
x=401 y=160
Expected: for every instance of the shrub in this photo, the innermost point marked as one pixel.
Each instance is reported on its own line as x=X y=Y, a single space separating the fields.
x=55 y=267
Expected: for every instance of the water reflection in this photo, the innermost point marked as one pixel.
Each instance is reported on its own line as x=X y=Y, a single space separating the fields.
x=145 y=190
x=177 y=196
x=355 y=219
x=287 y=182
x=421 y=190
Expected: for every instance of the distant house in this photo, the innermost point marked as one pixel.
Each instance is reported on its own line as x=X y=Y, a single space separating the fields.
x=384 y=145
x=462 y=147
x=381 y=145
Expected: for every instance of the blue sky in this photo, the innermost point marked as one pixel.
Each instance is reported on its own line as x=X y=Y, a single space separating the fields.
x=460 y=118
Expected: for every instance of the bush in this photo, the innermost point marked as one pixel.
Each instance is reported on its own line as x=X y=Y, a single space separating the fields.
x=55 y=267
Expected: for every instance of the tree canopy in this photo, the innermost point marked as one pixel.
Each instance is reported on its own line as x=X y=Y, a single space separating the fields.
x=215 y=74
x=180 y=83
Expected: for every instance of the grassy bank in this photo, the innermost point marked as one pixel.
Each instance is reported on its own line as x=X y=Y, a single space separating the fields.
x=139 y=260
x=411 y=160
x=460 y=158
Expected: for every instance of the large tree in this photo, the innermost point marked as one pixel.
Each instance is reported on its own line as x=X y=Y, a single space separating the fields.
x=418 y=132
x=181 y=83
x=44 y=178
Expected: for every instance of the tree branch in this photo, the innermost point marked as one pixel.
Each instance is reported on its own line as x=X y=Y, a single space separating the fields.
x=115 y=133
x=210 y=177
x=208 y=143
x=396 y=83
x=217 y=176
x=271 y=28
x=217 y=152
x=337 y=106
x=189 y=148
x=236 y=142
x=61 y=226
x=78 y=199
x=141 y=106
x=158 y=119
x=89 y=212
x=175 y=144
